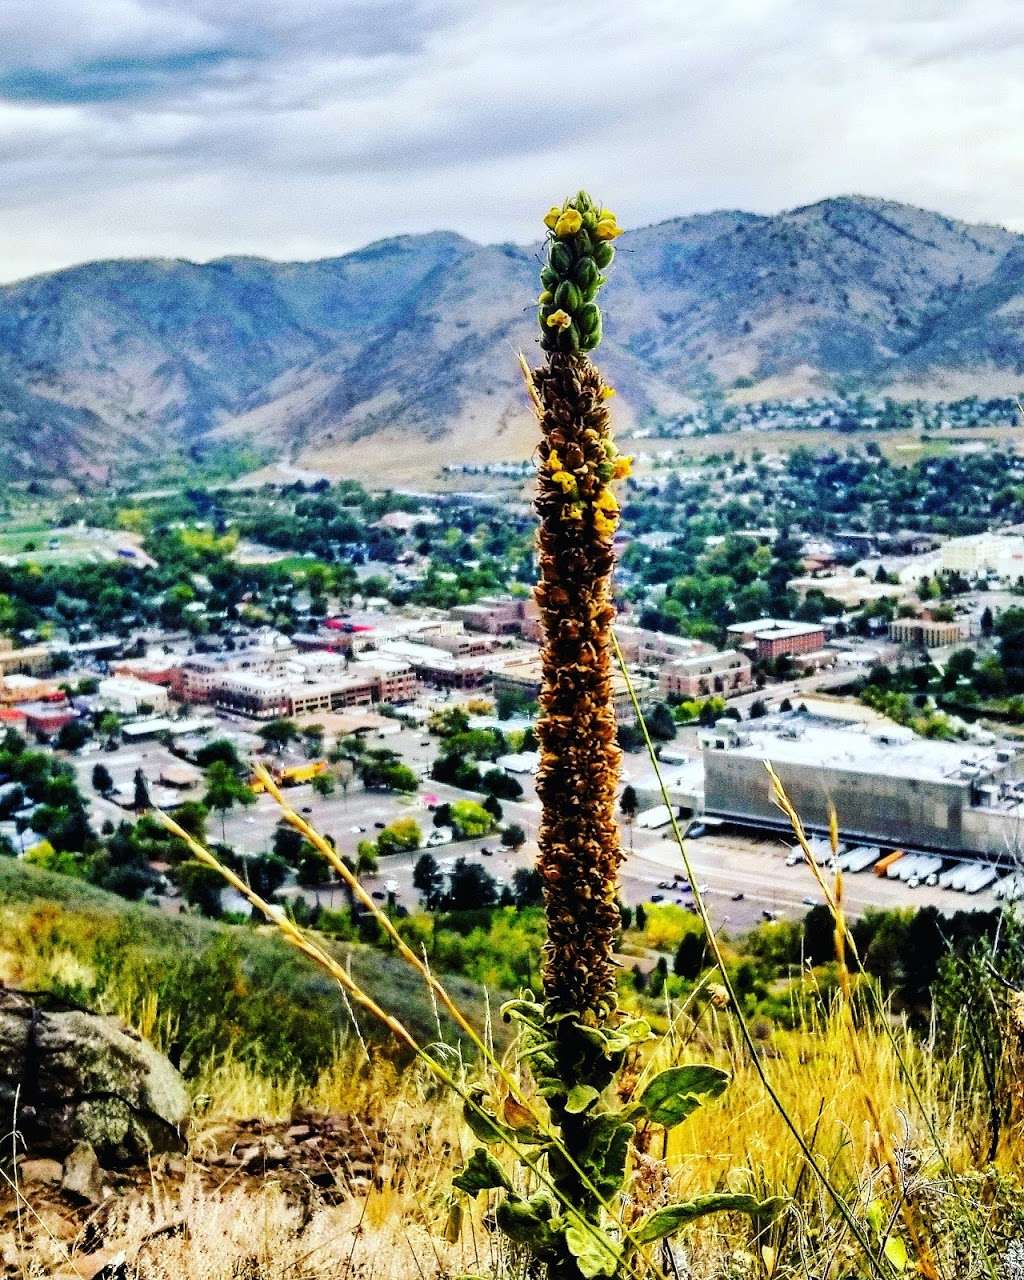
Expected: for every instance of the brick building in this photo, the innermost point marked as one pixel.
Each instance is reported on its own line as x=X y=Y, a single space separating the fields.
x=725 y=674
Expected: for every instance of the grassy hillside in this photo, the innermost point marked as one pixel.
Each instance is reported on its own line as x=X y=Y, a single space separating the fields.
x=202 y=991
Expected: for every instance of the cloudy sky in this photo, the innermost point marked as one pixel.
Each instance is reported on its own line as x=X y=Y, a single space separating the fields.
x=303 y=128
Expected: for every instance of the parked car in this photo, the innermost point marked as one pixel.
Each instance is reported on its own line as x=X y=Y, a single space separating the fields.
x=738 y=896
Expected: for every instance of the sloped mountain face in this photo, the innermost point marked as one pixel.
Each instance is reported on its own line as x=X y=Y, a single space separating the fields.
x=410 y=342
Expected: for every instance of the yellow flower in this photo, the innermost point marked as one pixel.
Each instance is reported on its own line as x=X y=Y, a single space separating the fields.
x=559 y=319
x=602 y=524
x=607 y=229
x=546 y=296
x=573 y=512
x=569 y=223
x=606 y=502
x=623 y=467
x=554 y=461
x=552 y=216
x=607 y=392
x=565 y=480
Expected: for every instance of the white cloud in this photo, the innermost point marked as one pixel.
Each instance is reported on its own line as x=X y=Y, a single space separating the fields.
x=202 y=127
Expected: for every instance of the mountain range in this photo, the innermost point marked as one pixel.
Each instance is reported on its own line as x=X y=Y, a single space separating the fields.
x=402 y=354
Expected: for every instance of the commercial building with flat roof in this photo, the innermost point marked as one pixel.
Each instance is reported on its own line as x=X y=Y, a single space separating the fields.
x=888 y=785
x=927 y=633
x=769 y=638
x=129 y=696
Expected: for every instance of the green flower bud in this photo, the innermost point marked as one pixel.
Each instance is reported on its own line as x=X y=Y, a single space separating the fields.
x=585 y=273
x=548 y=278
x=560 y=258
x=603 y=254
x=568 y=296
x=582 y=244
x=569 y=340
x=589 y=318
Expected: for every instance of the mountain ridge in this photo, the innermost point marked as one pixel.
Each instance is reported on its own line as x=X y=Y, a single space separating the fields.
x=408 y=343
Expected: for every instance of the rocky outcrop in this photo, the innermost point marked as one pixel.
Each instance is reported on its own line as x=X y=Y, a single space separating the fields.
x=69 y=1077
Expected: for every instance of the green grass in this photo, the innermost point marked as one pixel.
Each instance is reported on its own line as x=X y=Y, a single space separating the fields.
x=198 y=987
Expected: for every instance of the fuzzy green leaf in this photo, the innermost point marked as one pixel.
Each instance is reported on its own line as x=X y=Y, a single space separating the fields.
x=604 y=1156
x=580 y=1097
x=481 y=1173
x=595 y=1253
x=677 y=1092
x=896 y=1252
x=527 y=1222
x=665 y=1222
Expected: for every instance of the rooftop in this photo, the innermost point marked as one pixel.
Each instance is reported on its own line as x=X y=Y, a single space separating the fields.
x=860 y=748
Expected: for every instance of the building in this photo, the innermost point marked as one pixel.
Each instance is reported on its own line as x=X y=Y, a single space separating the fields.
x=16 y=688
x=497 y=615
x=46 y=718
x=155 y=670
x=927 y=633
x=725 y=674
x=131 y=697
x=35 y=660
x=653 y=648
x=771 y=638
x=888 y=786
x=999 y=555
x=199 y=677
x=522 y=678
x=850 y=590
x=437 y=666
x=360 y=684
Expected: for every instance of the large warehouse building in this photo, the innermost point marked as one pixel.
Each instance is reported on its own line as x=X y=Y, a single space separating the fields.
x=888 y=786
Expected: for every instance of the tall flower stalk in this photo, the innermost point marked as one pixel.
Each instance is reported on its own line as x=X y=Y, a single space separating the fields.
x=577 y=782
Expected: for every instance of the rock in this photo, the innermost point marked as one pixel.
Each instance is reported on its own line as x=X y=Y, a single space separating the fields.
x=82 y=1077
x=8 y=1249
x=40 y=1172
x=83 y=1175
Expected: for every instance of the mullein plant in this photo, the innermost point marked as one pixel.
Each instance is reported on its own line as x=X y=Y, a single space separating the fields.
x=583 y=1052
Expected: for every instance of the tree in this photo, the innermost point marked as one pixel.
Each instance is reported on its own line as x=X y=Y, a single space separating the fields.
x=277 y=734
x=513 y=837
x=661 y=724
x=101 y=779
x=400 y=836
x=471 y=887
x=527 y=888
x=140 y=802
x=288 y=843
x=428 y=881
x=72 y=735
x=201 y=886
x=691 y=955
x=366 y=858
x=470 y=819
x=222 y=749
x=493 y=806
x=501 y=784
x=323 y=784
x=987 y=622
x=224 y=789
x=629 y=807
